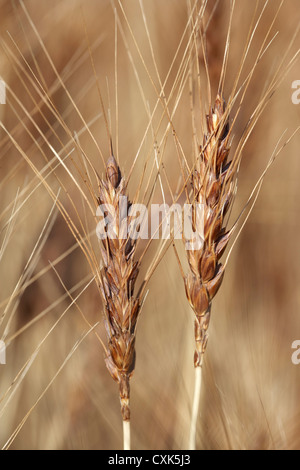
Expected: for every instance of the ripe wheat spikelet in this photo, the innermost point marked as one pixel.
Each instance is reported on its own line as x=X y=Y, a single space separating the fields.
x=118 y=277
x=213 y=188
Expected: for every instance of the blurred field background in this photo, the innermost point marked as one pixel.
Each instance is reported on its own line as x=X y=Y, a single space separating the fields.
x=59 y=400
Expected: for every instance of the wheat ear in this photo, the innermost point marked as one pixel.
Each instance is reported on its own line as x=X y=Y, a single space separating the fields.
x=118 y=277
x=213 y=189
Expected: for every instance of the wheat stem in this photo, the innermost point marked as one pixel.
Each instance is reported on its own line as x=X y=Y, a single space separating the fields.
x=126 y=435
x=195 y=409
x=211 y=183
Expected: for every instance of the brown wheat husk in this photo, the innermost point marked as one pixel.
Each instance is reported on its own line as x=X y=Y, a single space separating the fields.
x=118 y=277
x=212 y=187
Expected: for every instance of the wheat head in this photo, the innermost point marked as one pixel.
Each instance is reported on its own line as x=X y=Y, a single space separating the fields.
x=212 y=187
x=118 y=277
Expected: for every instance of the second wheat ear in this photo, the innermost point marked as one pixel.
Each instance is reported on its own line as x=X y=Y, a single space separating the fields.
x=118 y=277
x=212 y=188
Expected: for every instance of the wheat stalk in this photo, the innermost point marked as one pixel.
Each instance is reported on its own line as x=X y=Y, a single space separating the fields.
x=118 y=277
x=213 y=189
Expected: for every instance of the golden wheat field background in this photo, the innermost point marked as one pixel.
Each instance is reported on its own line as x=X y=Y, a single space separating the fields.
x=55 y=391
